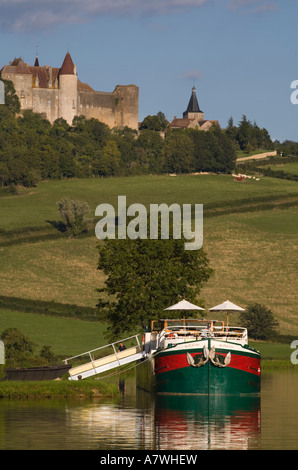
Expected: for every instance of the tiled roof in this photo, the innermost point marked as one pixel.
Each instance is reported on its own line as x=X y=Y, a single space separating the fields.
x=179 y=122
x=68 y=67
x=44 y=75
x=84 y=86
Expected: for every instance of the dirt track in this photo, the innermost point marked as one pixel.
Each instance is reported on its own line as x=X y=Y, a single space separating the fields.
x=257 y=156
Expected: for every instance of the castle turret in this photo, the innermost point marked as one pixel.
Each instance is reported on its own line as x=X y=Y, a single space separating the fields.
x=193 y=110
x=68 y=90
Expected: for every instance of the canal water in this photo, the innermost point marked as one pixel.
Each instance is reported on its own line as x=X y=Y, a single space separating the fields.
x=137 y=421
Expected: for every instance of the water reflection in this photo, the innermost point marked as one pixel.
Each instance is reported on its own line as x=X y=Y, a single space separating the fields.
x=138 y=421
x=198 y=423
x=166 y=423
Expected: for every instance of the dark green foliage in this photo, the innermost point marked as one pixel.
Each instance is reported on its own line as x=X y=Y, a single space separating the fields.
x=32 y=149
x=154 y=123
x=259 y=321
x=146 y=276
x=286 y=148
x=50 y=308
x=20 y=350
x=248 y=136
x=12 y=101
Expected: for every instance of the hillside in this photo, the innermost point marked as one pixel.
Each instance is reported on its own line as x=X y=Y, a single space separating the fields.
x=250 y=235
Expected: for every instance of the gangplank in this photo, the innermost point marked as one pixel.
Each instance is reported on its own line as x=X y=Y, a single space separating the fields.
x=96 y=366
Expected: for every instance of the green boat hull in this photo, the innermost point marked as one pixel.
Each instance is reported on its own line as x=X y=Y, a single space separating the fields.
x=169 y=373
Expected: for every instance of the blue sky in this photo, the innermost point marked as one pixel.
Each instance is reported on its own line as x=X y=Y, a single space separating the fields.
x=242 y=55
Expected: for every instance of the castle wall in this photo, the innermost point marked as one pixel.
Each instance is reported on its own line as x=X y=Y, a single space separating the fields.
x=23 y=87
x=117 y=109
x=58 y=93
x=98 y=105
x=45 y=101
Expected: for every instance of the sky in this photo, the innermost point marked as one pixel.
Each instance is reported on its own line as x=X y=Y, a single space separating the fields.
x=241 y=55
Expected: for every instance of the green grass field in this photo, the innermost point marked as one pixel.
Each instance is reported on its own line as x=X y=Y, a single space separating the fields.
x=252 y=248
x=291 y=168
x=37 y=206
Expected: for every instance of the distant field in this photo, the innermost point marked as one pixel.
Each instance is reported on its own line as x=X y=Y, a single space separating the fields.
x=66 y=336
x=291 y=168
x=37 y=206
x=253 y=252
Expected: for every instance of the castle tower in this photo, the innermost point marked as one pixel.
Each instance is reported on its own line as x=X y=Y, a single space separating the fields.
x=68 y=90
x=193 y=110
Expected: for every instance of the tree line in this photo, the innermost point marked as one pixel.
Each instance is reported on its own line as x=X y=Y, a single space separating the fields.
x=32 y=149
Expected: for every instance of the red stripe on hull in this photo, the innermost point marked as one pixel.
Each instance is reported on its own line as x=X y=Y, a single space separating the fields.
x=177 y=361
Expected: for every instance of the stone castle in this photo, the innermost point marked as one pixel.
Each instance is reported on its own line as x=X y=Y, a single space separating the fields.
x=58 y=93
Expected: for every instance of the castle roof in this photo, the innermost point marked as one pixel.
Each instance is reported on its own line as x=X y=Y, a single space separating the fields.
x=21 y=67
x=68 y=67
x=193 y=105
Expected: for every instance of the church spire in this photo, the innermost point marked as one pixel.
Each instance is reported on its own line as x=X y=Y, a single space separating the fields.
x=36 y=63
x=193 y=105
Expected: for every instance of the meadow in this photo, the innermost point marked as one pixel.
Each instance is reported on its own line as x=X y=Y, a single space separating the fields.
x=291 y=168
x=250 y=236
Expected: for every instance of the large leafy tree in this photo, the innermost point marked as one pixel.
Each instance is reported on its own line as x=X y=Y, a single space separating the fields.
x=144 y=277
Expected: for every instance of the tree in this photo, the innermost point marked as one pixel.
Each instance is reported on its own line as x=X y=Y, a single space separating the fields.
x=149 y=147
x=178 y=153
x=144 y=277
x=74 y=214
x=19 y=350
x=11 y=98
x=16 y=342
x=153 y=123
x=259 y=321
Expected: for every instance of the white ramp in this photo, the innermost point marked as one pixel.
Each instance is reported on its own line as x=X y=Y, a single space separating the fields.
x=103 y=364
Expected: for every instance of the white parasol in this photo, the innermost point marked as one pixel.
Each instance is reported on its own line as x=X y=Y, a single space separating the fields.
x=184 y=305
x=227 y=306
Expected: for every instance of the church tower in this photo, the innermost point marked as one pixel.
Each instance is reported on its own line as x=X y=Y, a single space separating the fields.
x=193 y=110
x=68 y=90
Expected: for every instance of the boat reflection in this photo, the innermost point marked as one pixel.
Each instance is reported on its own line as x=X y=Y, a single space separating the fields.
x=205 y=422
x=146 y=422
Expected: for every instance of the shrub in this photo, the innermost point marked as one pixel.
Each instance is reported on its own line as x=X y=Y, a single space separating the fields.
x=74 y=213
x=259 y=321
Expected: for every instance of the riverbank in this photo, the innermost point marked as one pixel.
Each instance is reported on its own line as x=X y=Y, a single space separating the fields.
x=90 y=388
x=50 y=389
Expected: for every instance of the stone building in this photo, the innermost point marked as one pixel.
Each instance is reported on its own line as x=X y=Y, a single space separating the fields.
x=193 y=117
x=58 y=93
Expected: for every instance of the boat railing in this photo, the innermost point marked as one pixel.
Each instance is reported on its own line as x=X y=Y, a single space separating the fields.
x=174 y=332
x=108 y=350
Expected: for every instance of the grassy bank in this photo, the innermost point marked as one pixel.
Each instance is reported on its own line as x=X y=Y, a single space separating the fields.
x=57 y=389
